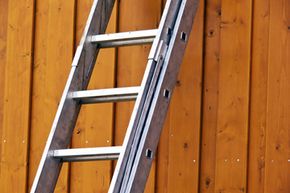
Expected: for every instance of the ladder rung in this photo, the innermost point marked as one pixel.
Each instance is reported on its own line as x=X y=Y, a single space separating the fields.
x=87 y=154
x=124 y=38
x=106 y=95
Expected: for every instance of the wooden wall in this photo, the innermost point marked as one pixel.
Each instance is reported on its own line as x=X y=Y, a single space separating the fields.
x=228 y=128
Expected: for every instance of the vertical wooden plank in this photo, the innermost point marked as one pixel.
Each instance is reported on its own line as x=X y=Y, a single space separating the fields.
x=3 y=42
x=134 y=15
x=185 y=115
x=54 y=38
x=258 y=97
x=95 y=123
x=232 y=122
x=163 y=158
x=210 y=95
x=277 y=161
x=16 y=113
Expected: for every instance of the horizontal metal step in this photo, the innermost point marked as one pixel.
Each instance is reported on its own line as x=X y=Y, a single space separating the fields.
x=87 y=154
x=124 y=38
x=106 y=95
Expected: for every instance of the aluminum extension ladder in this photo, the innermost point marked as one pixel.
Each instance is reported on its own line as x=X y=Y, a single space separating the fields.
x=152 y=97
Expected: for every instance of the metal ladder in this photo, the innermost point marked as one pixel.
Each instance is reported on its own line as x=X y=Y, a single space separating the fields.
x=152 y=97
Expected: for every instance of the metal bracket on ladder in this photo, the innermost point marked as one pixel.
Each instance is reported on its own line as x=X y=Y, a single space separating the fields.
x=152 y=97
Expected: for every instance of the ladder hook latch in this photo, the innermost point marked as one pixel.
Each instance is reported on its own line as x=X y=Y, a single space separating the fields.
x=161 y=51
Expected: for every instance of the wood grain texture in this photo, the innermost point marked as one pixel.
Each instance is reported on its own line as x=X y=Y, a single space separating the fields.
x=95 y=123
x=210 y=95
x=54 y=37
x=163 y=158
x=242 y=105
x=234 y=77
x=3 y=43
x=277 y=164
x=258 y=96
x=16 y=112
x=185 y=115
